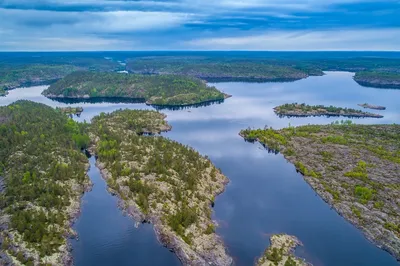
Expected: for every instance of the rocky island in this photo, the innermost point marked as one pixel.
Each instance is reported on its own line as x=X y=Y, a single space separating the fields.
x=162 y=90
x=303 y=110
x=354 y=168
x=378 y=79
x=371 y=106
x=162 y=182
x=42 y=178
x=280 y=252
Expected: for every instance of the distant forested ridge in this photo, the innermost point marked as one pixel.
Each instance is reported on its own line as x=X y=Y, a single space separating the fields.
x=269 y=68
x=42 y=177
x=27 y=75
x=31 y=69
x=218 y=69
x=378 y=79
x=154 y=89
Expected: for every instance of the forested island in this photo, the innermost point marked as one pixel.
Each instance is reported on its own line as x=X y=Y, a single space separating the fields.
x=354 y=168
x=280 y=252
x=161 y=181
x=303 y=110
x=42 y=177
x=378 y=79
x=169 y=90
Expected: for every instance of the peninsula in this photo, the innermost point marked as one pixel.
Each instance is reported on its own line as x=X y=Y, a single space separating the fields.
x=160 y=90
x=303 y=110
x=42 y=176
x=354 y=168
x=162 y=182
x=280 y=252
x=378 y=79
x=12 y=77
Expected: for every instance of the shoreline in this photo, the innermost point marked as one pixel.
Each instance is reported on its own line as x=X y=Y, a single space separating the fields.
x=65 y=251
x=87 y=98
x=323 y=112
x=327 y=198
x=164 y=235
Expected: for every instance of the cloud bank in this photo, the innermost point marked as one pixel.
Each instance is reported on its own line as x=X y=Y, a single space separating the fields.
x=27 y=25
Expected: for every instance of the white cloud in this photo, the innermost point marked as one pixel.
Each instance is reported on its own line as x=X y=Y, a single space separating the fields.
x=339 y=39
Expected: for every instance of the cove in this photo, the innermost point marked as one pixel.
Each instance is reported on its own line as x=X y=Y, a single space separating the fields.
x=265 y=195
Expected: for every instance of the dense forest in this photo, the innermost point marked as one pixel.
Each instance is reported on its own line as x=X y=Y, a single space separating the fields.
x=44 y=174
x=268 y=68
x=12 y=76
x=355 y=168
x=169 y=184
x=379 y=79
x=210 y=70
x=27 y=69
x=295 y=109
x=155 y=89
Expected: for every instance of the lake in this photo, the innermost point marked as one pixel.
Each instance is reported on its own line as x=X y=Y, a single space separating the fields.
x=265 y=196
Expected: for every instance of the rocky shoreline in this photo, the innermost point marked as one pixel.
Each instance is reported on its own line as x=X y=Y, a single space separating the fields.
x=363 y=192
x=280 y=252
x=177 y=200
x=64 y=257
x=165 y=235
x=301 y=110
x=371 y=106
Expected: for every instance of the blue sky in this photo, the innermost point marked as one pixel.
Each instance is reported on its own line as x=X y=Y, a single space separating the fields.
x=199 y=25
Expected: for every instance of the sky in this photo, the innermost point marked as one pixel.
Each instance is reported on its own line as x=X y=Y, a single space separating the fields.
x=271 y=25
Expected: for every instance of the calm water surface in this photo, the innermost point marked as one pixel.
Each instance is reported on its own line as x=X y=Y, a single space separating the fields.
x=265 y=195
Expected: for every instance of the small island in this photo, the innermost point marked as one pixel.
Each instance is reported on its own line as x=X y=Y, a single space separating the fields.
x=280 y=252
x=303 y=110
x=70 y=110
x=162 y=182
x=42 y=179
x=378 y=79
x=354 y=168
x=370 y=106
x=158 y=90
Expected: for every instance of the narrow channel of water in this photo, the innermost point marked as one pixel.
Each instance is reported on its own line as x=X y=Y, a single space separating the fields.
x=265 y=195
x=107 y=237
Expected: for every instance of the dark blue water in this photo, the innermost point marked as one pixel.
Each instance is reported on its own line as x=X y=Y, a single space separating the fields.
x=107 y=237
x=265 y=195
